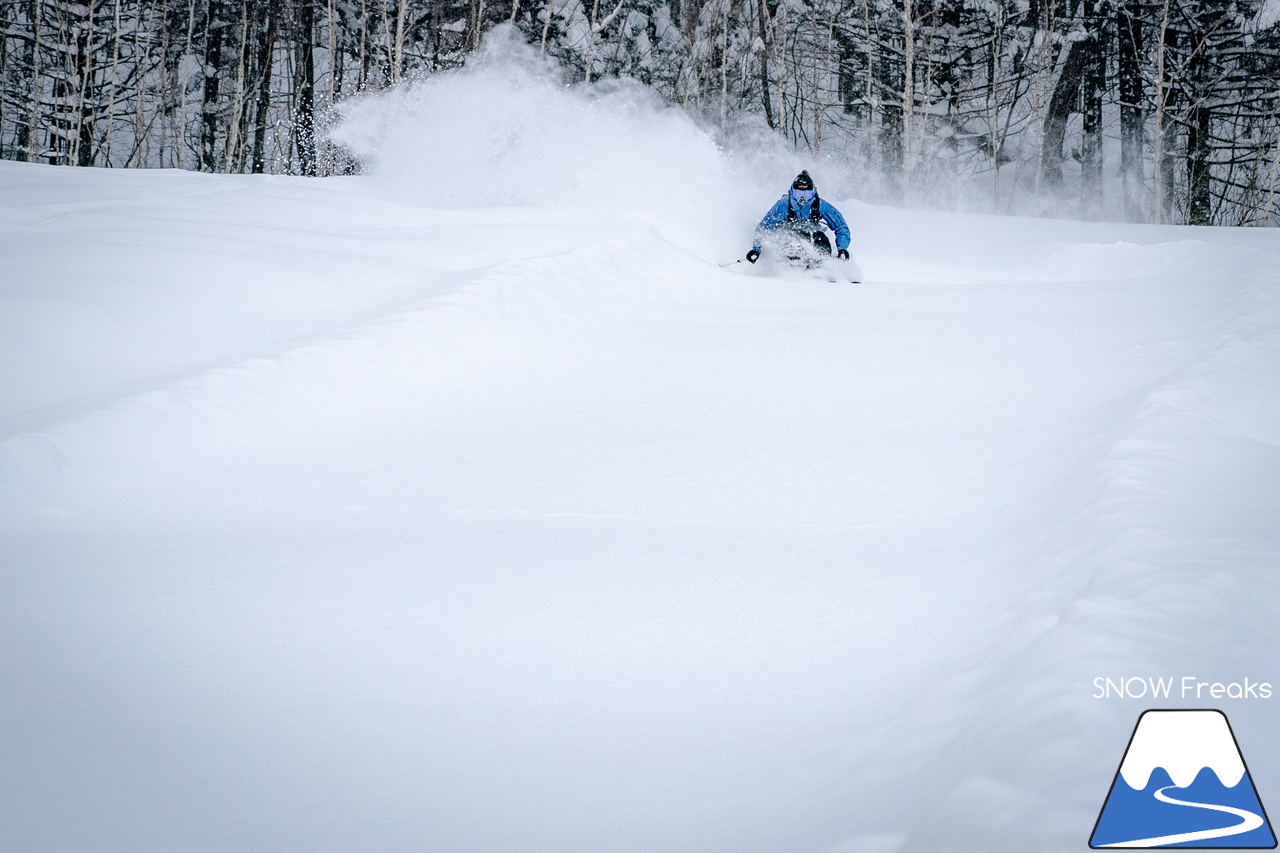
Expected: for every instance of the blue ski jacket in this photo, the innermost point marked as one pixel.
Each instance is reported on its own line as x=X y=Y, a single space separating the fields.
x=801 y=220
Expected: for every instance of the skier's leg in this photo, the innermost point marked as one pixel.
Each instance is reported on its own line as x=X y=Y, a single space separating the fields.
x=820 y=240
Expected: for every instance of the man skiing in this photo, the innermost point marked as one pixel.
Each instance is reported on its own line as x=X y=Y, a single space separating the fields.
x=801 y=212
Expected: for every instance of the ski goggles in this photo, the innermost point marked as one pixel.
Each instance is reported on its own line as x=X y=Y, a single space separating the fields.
x=803 y=197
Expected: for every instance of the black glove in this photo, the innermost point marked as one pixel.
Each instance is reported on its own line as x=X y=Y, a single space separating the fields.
x=843 y=254
x=753 y=256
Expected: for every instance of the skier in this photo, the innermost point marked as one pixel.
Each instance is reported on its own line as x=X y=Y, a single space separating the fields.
x=801 y=212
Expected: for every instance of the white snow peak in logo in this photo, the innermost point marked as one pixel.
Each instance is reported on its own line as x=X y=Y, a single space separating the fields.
x=1183 y=783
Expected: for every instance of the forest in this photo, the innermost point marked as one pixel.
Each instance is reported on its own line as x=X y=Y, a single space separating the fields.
x=1163 y=111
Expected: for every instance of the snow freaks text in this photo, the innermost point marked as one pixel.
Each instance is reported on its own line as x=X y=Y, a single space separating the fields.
x=1186 y=687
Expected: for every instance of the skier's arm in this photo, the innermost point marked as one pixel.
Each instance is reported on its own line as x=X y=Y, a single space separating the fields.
x=776 y=216
x=837 y=224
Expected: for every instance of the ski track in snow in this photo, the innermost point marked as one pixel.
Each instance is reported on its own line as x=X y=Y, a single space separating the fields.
x=1248 y=822
x=499 y=529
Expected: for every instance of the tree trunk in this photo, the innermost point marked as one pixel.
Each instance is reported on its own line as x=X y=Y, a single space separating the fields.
x=215 y=27
x=1093 y=85
x=307 y=91
x=30 y=136
x=907 y=116
x=1162 y=179
x=766 y=98
x=87 y=96
x=186 y=51
x=266 y=50
x=1198 y=201
x=4 y=77
x=1129 y=72
x=890 y=125
x=397 y=59
x=1064 y=101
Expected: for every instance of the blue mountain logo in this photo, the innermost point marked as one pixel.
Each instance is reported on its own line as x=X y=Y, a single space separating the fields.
x=1183 y=783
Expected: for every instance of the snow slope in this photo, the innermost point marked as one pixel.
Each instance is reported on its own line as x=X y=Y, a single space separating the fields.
x=336 y=520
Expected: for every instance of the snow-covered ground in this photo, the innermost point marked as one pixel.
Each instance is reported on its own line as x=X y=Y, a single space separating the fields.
x=416 y=512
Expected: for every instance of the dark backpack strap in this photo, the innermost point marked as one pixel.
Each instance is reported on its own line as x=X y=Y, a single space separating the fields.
x=815 y=215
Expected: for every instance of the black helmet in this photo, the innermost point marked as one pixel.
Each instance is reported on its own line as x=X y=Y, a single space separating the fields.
x=802 y=181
